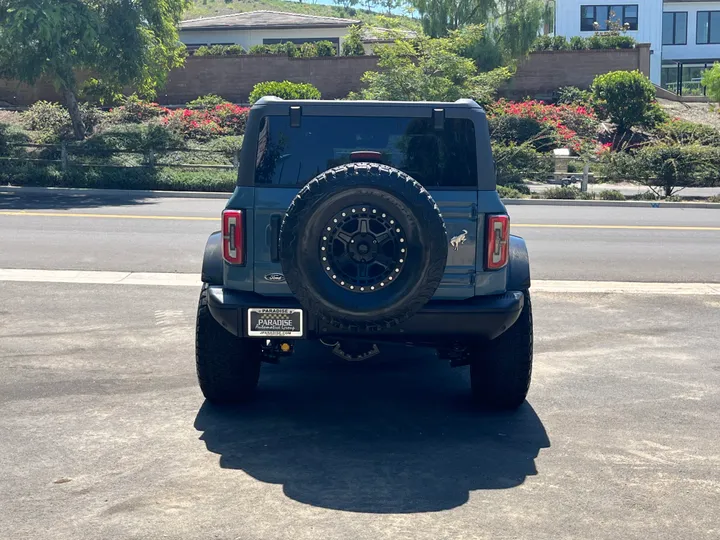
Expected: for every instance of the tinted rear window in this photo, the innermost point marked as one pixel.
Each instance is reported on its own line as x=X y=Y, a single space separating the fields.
x=436 y=158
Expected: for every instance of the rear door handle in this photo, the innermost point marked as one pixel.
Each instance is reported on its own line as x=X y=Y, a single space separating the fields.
x=275 y=222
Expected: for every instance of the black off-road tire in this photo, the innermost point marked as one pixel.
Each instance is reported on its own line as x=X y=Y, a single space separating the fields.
x=363 y=184
x=500 y=375
x=228 y=367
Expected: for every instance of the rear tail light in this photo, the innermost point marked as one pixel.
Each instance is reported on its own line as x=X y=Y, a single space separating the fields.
x=498 y=236
x=233 y=234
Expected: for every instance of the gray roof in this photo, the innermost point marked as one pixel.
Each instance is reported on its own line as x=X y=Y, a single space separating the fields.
x=265 y=19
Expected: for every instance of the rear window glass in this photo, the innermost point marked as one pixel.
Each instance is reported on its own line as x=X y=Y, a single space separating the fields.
x=435 y=158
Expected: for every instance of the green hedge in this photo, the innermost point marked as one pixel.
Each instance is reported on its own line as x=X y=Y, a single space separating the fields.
x=577 y=43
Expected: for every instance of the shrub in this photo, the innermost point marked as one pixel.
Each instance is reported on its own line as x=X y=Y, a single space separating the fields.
x=685 y=132
x=507 y=192
x=136 y=111
x=46 y=116
x=627 y=98
x=515 y=163
x=545 y=126
x=714 y=198
x=542 y=43
x=578 y=43
x=204 y=125
x=220 y=50
x=711 y=81
x=228 y=145
x=611 y=195
x=284 y=90
x=325 y=48
x=562 y=193
x=352 y=44
x=207 y=102
x=670 y=166
x=132 y=138
x=559 y=43
x=53 y=121
x=308 y=50
x=572 y=95
x=11 y=134
x=610 y=41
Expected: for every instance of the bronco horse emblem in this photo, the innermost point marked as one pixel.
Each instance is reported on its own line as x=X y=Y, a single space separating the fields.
x=458 y=240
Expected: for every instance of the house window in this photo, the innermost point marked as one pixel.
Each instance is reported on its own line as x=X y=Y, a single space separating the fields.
x=603 y=15
x=675 y=28
x=708 y=27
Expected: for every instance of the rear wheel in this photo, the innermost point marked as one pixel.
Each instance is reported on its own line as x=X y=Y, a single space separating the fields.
x=500 y=377
x=228 y=367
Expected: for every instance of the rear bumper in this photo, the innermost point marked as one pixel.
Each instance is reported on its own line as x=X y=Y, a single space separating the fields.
x=481 y=317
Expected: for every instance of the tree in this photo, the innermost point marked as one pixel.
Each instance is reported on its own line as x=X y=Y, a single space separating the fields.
x=432 y=70
x=352 y=45
x=121 y=42
x=711 y=81
x=627 y=99
x=439 y=17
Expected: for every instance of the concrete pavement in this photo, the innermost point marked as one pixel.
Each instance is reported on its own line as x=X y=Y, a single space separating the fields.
x=105 y=433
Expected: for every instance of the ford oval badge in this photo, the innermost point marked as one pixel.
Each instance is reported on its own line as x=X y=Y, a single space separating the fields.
x=275 y=278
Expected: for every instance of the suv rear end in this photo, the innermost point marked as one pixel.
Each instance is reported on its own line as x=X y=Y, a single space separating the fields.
x=356 y=223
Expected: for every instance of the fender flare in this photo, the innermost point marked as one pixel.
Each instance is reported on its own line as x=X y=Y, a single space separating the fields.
x=518 y=265
x=212 y=265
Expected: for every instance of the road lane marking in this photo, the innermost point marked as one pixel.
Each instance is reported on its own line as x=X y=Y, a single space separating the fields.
x=109 y=216
x=193 y=280
x=512 y=225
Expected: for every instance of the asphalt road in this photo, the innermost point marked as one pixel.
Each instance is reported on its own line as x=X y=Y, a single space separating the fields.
x=565 y=243
x=105 y=433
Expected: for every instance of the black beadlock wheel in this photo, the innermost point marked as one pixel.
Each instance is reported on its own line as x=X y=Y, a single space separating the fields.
x=363 y=247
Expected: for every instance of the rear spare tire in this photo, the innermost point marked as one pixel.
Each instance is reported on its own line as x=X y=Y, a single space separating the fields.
x=363 y=247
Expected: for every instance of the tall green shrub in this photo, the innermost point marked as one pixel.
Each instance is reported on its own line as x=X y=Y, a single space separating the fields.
x=626 y=98
x=284 y=90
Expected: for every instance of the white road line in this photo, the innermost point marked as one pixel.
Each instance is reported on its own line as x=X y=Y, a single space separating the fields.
x=193 y=280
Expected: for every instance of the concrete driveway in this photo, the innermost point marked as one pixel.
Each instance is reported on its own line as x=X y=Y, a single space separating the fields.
x=106 y=435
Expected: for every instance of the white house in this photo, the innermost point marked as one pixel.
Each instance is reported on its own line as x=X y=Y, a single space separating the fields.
x=684 y=35
x=263 y=28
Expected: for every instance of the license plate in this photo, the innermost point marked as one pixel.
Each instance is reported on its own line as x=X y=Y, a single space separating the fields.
x=275 y=322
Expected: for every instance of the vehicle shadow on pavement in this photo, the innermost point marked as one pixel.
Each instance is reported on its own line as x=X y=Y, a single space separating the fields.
x=10 y=200
x=397 y=435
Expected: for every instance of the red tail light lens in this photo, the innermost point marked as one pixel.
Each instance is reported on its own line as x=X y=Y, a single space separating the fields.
x=233 y=234
x=498 y=236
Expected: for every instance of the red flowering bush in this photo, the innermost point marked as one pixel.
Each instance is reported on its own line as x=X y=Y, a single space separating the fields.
x=203 y=125
x=544 y=126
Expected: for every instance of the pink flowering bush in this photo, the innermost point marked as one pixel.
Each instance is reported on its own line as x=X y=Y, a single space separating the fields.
x=543 y=125
x=203 y=125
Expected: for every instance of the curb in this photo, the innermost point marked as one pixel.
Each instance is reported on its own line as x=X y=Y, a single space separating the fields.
x=221 y=195
x=621 y=204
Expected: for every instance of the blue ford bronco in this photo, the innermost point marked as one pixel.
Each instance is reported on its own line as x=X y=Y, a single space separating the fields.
x=356 y=224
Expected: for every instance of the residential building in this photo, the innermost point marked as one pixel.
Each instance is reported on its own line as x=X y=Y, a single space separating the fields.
x=263 y=28
x=684 y=35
